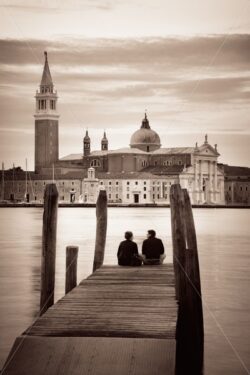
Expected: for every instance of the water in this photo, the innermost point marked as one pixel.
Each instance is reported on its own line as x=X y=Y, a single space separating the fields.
x=223 y=240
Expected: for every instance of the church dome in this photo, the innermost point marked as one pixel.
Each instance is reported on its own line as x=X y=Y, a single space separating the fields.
x=145 y=138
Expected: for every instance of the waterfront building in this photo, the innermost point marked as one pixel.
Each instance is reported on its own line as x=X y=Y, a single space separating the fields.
x=237 y=185
x=141 y=173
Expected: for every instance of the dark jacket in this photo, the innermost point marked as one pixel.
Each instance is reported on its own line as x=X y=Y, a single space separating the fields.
x=152 y=248
x=126 y=251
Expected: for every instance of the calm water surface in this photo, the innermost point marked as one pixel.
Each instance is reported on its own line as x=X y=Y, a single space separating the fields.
x=224 y=250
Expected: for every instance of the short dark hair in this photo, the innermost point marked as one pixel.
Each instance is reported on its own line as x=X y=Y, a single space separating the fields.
x=128 y=235
x=151 y=232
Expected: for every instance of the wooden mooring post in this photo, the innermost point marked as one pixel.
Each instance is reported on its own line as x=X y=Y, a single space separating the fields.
x=190 y=329
x=71 y=268
x=101 y=229
x=48 y=247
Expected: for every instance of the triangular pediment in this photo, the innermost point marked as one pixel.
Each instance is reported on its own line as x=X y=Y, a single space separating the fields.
x=207 y=150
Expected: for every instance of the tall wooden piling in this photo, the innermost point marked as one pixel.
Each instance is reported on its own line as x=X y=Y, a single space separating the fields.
x=178 y=237
x=101 y=229
x=189 y=330
x=71 y=268
x=48 y=247
x=191 y=239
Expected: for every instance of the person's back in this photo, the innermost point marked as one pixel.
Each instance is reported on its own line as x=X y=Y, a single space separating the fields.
x=152 y=247
x=127 y=251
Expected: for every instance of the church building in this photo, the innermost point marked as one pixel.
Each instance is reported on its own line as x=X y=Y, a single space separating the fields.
x=141 y=173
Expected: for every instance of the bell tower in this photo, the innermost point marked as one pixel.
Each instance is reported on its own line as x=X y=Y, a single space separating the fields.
x=46 y=121
x=104 y=142
x=86 y=144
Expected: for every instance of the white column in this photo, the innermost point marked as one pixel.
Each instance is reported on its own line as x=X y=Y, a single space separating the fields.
x=210 y=181
x=201 y=181
x=195 y=193
x=215 y=182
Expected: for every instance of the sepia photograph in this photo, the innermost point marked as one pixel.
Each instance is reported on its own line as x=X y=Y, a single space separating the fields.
x=125 y=187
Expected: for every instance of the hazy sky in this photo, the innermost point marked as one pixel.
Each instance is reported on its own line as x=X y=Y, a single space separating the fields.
x=186 y=62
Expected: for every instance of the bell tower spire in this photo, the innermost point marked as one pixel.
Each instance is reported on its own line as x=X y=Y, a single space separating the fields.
x=46 y=82
x=46 y=121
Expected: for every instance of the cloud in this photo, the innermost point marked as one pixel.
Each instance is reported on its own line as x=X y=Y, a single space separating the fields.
x=109 y=82
x=152 y=53
x=59 y=5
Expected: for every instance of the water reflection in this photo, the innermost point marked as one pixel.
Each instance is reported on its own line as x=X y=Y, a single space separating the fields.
x=223 y=241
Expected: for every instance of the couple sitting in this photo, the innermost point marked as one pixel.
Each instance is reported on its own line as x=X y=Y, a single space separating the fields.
x=152 y=251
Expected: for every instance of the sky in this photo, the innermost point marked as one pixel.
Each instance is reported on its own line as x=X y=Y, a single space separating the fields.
x=186 y=62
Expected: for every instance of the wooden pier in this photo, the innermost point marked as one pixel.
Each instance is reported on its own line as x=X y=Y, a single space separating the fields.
x=120 y=320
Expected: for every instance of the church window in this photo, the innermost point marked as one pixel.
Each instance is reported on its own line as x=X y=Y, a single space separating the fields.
x=117 y=183
x=241 y=188
x=145 y=188
x=246 y=188
x=101 y=182
x=127 y=196
x=95 y=162
x=204 y=184
x=145 y=196
x=116 y=196
x=145 y=182
x=42 y=104
x=158 y=196
x=52 y=104
x=229 y=188
x=127 y=182
x=110 y=182
x=136 y=182
x=147 y=148
x=153 y=196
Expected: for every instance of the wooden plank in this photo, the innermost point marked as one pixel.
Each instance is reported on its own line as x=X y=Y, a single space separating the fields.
x=93 y=356
x=111 y=302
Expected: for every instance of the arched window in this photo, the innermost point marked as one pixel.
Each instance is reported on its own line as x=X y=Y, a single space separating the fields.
x=95 y=163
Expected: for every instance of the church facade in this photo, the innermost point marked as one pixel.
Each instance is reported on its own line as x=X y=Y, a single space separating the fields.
x=141 y=173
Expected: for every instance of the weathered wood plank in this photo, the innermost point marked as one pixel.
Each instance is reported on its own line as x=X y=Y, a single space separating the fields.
x=111 y=302
x=93 y=356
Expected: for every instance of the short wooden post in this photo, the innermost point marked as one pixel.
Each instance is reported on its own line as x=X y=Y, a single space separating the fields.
x=71 y=268
x=48 y=247
x=178 y=237
x=101 y=229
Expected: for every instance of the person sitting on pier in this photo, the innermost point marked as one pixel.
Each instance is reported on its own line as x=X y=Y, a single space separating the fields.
x=128 y=252
x=152 y=249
